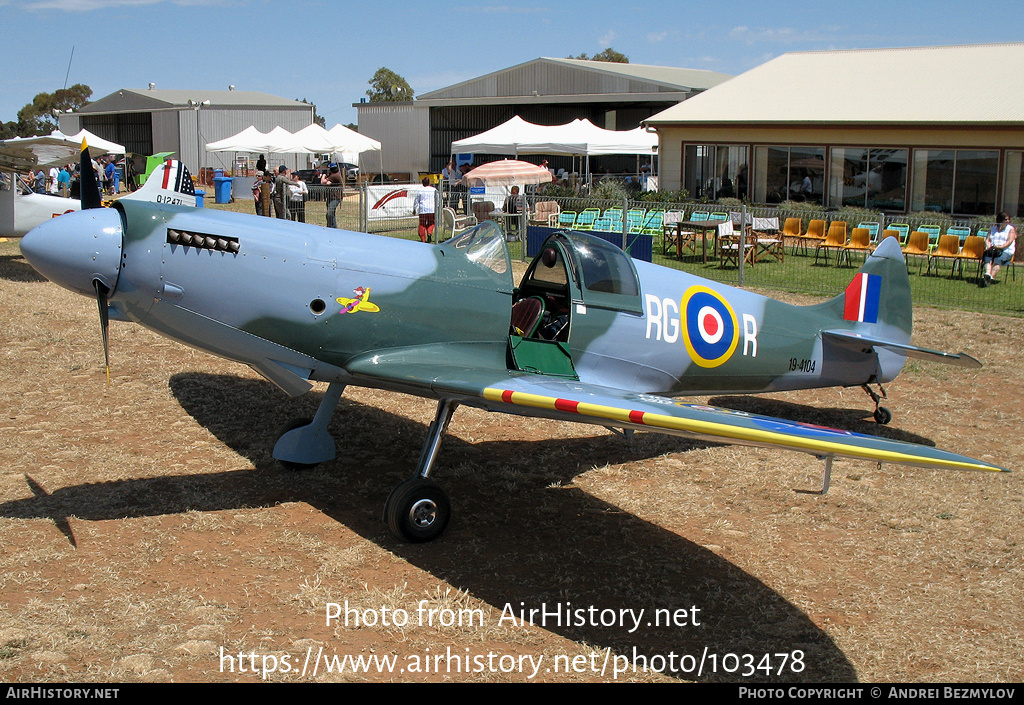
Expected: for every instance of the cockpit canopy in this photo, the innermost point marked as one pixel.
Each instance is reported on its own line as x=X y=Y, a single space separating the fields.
x=483 y=244
x=598 y=272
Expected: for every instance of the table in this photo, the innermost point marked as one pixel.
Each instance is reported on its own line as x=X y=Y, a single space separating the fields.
x=691 y=228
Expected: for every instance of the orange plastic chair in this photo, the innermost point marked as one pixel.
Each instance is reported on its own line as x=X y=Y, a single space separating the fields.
x=860 y=241
x=894 y=234
x=973 y=249
x=917 y=246
x=947 y=248
x=835 y=240
x=793 y=228
x=815 y=234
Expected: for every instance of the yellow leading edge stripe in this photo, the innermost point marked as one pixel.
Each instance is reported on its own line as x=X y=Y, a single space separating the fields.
x=726 y=431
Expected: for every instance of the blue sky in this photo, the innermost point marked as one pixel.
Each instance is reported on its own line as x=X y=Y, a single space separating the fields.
x=327 y=50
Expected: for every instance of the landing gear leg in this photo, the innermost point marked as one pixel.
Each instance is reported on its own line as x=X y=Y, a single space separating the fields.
x=882 y=414
x=309 y=444
x=418 y=509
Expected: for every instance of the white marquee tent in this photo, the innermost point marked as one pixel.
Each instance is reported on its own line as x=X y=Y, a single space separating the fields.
x=248 y=140
x=579 y=137
x=309 y=140
x=313 y=139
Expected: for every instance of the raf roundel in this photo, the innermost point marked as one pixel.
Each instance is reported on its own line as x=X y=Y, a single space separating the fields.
x=711 y=332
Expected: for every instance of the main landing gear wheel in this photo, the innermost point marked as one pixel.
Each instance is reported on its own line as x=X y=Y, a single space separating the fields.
x=417 y=510
x=883 y=415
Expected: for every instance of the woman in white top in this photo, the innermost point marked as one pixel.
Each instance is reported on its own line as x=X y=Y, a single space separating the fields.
x=297 y=199
x=999 y=247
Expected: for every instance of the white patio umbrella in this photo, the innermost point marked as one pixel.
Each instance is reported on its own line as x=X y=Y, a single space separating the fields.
x=507 y=172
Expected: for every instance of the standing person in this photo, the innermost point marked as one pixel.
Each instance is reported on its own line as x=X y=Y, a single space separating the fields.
x=424 y=207
x=464 y=189
x=129 y=174
x=257 y=192
x=297 y=206
x=280 y=196
x=1000 y=245
x=115 y=179
x=261 y=165
x=335 y=194
x=40 y=183
x=450 y=174
x=51 y=180
x=514 y=205
x=64 y=181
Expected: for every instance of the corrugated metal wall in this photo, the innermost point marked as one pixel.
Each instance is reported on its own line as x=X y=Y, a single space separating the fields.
x=549 y=79
x=402 y=129
x=133 y=130
x=175 y=131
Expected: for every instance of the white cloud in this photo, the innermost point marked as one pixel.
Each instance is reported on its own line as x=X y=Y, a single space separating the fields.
x=607 y=39
x=655 y=37
x=89 y=5
x=501 y=10
x=785 y=35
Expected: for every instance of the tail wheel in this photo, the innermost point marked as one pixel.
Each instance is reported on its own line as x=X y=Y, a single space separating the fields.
x=417 y=510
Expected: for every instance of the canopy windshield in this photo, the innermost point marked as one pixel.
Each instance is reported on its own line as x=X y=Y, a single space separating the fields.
x=483 y=244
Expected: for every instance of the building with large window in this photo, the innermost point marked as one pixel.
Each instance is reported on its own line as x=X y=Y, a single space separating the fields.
x=915 y=129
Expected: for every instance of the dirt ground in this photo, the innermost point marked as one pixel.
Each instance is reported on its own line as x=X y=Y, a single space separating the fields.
x=146 y=534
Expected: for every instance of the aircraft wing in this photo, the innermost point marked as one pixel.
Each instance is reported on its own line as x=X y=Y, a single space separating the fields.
x=24 y=153
x=544 y=396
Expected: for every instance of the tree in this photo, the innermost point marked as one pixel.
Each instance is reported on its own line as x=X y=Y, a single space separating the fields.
x=608 y=54
x=9 y=130
x=387 y=86
x=37 y=117
x=317 y=119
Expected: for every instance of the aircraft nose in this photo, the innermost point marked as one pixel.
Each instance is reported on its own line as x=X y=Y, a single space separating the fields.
x=76 y=249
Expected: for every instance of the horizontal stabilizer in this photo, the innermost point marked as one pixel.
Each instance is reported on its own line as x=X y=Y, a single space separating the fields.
x=857 y=341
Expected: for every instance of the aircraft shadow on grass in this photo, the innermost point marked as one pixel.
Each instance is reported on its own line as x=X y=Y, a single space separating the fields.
x=14 y=268
x=520 y=539
x=856 y=420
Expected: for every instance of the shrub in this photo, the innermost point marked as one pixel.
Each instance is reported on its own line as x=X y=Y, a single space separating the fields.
x=609 y=190
x=680 y=196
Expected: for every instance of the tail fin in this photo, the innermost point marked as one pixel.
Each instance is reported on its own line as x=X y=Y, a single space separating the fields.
x=875 y=312
x=170 y=182
x=877 y=300
x=89 y=185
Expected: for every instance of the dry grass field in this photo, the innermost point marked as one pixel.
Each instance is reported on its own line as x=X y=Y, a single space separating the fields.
x=146 y=534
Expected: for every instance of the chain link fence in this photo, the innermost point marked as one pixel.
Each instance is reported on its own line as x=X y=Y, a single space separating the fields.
x=652 y=231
